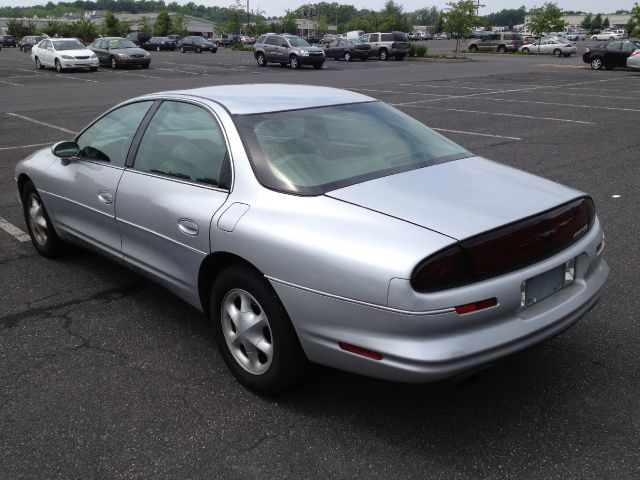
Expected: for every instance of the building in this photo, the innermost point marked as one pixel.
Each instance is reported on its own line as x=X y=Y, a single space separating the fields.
x=574 y=22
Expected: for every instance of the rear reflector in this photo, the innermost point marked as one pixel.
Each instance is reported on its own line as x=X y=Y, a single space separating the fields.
x=360 y=351
x=474 y=307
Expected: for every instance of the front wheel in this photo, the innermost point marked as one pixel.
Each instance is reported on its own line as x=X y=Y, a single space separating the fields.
x=182 y=49
x=318 y=66
x=254 y=333
x=347 y=57
x=525 y=50
x=262 y=61
x=114 y=63
x=157 y=49
x=502 y=49
x=596 y=63
x=93 y=69
x=384 y=55
x=557 y=52
x=294 y=63
x=198 y=50
x=594 y=38
x=39 y=226
x=474 y=48
x=58 y=66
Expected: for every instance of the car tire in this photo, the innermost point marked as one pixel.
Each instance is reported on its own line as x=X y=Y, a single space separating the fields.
x=525 y=50
x=39 y=65
x=294 y=63
x=182 y=49
x=347 y=57
x=384 y=55
x=39 y=226
x=473 y=48
x=594 y=38
x=58 y=66
x=566 y=55
x=157 y=49
x=93 y=69
x=261 y=60
x=113 y=62
x=611 y=38
x=253 y=332
x=596 y=63
x=502 y=49
x=318 y=66
x=198 y=50
x=557 y=52
x=609 y=67
x=145 y=65
x=399 y=58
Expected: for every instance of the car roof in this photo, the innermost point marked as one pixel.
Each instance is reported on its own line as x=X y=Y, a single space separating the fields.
x=249 y=99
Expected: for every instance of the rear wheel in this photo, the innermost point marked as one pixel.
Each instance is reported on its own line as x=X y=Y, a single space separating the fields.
x=198 y=50
x=557 y=52
x=474 y=48
x=93 y=69
x=157 y=49
x=294 y=62
x=525 y=50
x=39 y=226
x=262 y=61
x=596 y=63
x=502 y=49
x=609 y=67
x=113 y=62
x=399 y=58
x=384 y=55
x=254 y=333
x=182 y=49
x=347 y=56
x=566 y=55
x=39 y=65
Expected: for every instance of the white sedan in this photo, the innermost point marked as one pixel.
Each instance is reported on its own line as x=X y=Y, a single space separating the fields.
x=62 y=54
x=554 y=46
x=607 y=36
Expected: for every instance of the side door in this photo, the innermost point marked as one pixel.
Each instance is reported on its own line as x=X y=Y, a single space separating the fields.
x=270 y=50
x=44 y=50
x=374 y=41
x=82 y=189
x=180 y=177
x=332 y=49
x=613 y=55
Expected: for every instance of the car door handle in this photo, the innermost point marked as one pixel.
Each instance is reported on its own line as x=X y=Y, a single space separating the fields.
x=188 y=227
x=105 y=197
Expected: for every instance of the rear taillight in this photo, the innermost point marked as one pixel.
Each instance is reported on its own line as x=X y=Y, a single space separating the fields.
x=393 y=45
x=448 y=268
x=636 y=53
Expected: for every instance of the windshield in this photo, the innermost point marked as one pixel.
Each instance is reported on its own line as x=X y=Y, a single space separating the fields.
x=298 y=42
x=121 y=43
x=313 y=151
x=68 y=45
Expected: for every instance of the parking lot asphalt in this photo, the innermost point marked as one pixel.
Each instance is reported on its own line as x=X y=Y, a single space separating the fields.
x=106 y=375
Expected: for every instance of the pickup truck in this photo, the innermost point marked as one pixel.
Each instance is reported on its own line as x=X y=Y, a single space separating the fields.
x=226 y=40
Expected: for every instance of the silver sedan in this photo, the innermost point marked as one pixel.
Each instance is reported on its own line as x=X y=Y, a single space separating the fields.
x=316 y=225
x=633 y=61
x=558 y=46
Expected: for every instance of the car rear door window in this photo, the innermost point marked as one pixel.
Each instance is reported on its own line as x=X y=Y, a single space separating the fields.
x=109 y=139
x=272 y=40
x=184 y=141
x=387 y=37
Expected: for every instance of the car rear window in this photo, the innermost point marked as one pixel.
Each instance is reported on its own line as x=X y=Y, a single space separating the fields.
x=313 y=151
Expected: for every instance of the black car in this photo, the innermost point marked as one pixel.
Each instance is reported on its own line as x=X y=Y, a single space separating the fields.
x=176 y=38
x=610 y=54
x=347 y=49
x=8 y=41
x=197 y=44
x=159 y=43
x=26 y=43
x=119 y=52
x=139 y=37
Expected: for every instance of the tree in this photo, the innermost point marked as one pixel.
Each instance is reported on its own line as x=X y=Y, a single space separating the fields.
x=586 y=23
x=113 y=27
x=144 y=25
x=235 y=14
x=162 y=25
x=596 y=23
x=605 y=24
x=179 y=24
x=507 y=17
x=426 y=16
x=439 y=26
x=547 y=18
x=18 y=29
x=289 y=23
x=323 y=25
x=633 y=27
x=460 y=18
x=393 y=18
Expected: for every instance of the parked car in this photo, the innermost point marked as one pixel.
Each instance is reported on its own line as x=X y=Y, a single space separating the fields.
x=553 y=46
x=286 y=50
x=176 y=38
x=442 y=36
x=194 y=43
x=347 y=49
x=385 y=45
x=633 y=61
x=63 y=54
x=227 y=40
x=609 y=55
x=8 y=41
x=609 y=35
x=26 y=43
x=247 y=40
x=159 y=43
x=338 y=231
x=427 y=36
x=498 y=42
x=139 y=38
x=117 y=52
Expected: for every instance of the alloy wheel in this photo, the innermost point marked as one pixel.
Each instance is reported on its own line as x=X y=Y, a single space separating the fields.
x=37 y=220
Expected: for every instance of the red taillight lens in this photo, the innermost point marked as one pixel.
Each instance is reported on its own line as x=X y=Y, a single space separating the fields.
x=636 y=53
x=506 y=248
x=475 y=306
x=447 y=268
x=393 y=45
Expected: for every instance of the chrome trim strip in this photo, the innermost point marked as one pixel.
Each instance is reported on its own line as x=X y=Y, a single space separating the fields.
x=359 y=302
x=176 y=180
x=159 y=235
x=78 y=203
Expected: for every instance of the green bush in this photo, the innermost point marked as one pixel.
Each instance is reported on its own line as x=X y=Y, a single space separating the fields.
x=412 y=49
x=420 y=50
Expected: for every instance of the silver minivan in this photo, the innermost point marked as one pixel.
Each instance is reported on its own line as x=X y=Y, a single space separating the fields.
x=497 y=42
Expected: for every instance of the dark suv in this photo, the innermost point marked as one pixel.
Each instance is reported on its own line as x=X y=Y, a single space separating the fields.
x=286 y=50
x=497 y=42
x=197 y=44
x=8 y=41
x=26 y=43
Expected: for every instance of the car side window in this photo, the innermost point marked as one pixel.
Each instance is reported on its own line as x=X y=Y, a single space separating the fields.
x=373 y=37
x=108 y=140
x=184 y=141
x=628 y=47
x=495 y=37
x=96 y=43
x=614 y=45
x=272 y=40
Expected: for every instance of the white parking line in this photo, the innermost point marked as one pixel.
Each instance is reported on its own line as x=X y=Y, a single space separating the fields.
x=66 y=75
x=500 y=114
x=11 y=83
x=475 y=133
x=14 y=231
x=33 y=120
x=25 y=146
x=591 y=107
x=134 y=74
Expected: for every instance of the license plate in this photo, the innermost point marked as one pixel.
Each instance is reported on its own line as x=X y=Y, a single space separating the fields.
x=541 y=286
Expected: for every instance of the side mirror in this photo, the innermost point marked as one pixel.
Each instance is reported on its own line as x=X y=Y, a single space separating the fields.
x=65 y=149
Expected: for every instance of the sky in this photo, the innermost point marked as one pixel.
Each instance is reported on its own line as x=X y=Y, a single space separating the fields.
x=278 y=7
